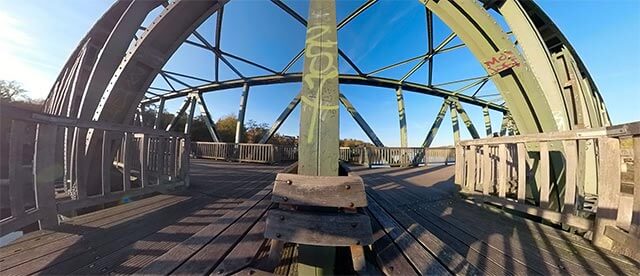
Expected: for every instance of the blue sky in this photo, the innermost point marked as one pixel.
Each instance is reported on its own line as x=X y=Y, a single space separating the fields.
x=37 y=37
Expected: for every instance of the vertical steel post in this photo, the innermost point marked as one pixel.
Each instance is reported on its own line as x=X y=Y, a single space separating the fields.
x=402 y=118
x=192 y=110
x=241 y=112
x=487 y=120
x=319 y=117
x=454 y=123
x=156 y=123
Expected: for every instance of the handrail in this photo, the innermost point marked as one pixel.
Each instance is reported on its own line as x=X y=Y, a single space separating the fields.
x=142 y=160
x=245 y=152
x=397 y=156
x=499 y=170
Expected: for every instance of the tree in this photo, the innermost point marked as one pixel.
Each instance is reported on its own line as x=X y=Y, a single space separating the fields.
x=226 y=127
x=12 y=91
x=354 y=143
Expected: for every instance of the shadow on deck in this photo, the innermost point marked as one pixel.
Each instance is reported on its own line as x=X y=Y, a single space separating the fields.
x=216 y=226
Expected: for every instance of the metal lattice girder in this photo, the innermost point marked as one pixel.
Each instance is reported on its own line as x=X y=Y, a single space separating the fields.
x=402 y=118
x=465 y=118
x=361 y=121
x=283 y=116
x=319 y=117
x=487 y=121
x=181 y=111
x=243 y=109
x=436 y=125
x=211 y=127
x=344 y=79
x=491 y=46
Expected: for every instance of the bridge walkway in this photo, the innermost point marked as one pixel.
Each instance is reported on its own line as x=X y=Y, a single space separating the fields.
x=127 y=237
x=216 y=226
x=418 y=209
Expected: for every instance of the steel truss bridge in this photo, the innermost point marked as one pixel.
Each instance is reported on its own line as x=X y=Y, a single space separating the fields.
x=556 y=157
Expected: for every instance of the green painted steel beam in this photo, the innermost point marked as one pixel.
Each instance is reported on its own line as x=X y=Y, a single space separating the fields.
x=343 y=78
x=466 y=120
x=436 y=125
x=241 y=112
x=283 y=116
x=192 y=111
x=361 y=121
x=487 y=121
x=211 y=127
x=454 y=122
x=319 y=117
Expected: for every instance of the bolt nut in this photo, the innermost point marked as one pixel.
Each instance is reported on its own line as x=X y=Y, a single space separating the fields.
x=285 y=198
x=347 y=187
x=289 y=182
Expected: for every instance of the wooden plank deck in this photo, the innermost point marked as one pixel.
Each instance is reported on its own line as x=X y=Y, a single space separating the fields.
x=428 y=214
x=126 y=238
x=216 y=227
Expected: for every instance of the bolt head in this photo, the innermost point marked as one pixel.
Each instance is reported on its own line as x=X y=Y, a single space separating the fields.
x=354 y=225
x=289 y=182
x=347 y=187
x=278 y=235
x=281 y=217
x=351 y=204
x=285 y=198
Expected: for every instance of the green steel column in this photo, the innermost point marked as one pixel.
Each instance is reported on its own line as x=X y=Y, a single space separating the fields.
x=158 y=120
x=487 y=120
x=402 y=118
x=192 y=110
x=467 y=121
x=454 y=122
x=319 y=118
x=241 y=112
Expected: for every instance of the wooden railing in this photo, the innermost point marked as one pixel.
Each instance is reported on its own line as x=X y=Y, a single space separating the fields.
x=244 y=152
x=397 y=156
x=131 y=161
x=499 y=171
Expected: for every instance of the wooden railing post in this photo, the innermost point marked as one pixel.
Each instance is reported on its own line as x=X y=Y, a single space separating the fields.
x=127 y=151
x=45 y=174
x=144 y=147
x=106 y=162
x=522 y=172
x=486 y=170
x=459 y=165
x=608 y=189
x=635 y=215
x=544 y=175
x=17 y=175
x=502 y=170
x=471 y=170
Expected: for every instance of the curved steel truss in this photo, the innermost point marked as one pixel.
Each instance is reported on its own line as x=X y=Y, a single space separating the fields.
x=543 y=85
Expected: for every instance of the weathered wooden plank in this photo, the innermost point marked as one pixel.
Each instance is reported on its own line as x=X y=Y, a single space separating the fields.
x=420 y=259
x=388 y=255
x=626 y=242
x=45 y=174
x=169 y=261
x=106 y=160
x=323 y=191
x=522 y=172
x=143 y=158
x=213 y=253
x=127 y=154
x=608 y=189
x=17 y=174
x=471 y=169
x=635 y=219
x=553 y=216
x=571 y=176
x=313 y=228
x=486 y=170
x=544 y=175
x=455 y=262
x=459 y=166
x=250 y=271
x=245 y=251
x=502 y=170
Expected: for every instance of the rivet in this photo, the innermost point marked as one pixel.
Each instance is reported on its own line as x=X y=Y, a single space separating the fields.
x=251 y=272
x=278 y=235
x=354 y=225
x=351 y=204
x=220 y=271
x=285 y=198
x=281 y=217
x=347 y=187
x=391 y=268
x=289 y=182
x=358 y=243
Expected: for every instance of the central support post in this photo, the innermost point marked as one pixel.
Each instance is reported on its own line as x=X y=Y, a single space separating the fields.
x=319 y=118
